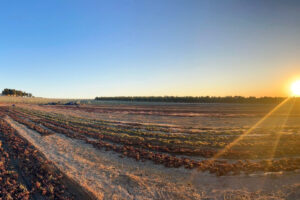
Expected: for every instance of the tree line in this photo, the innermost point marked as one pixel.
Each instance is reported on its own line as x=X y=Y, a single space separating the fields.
x=200 y=99
x=13 y=92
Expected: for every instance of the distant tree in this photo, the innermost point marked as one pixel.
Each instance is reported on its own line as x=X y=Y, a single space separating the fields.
x=13 y=92
x=201 y=99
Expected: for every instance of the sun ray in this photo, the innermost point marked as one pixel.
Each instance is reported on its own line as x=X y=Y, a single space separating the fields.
x=279 y=134
x=229 y=146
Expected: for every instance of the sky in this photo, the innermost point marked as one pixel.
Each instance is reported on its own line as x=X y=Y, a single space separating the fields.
x=85 y=48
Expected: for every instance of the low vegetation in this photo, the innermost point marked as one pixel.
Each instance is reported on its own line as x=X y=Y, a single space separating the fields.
x=201 y=99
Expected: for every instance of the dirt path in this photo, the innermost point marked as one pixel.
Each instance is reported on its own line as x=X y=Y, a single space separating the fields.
x=109 y=177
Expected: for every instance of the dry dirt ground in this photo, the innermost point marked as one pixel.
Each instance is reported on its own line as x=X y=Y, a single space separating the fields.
x=108 y=176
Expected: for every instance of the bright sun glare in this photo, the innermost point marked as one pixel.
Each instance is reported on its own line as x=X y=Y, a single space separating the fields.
x=296 y=88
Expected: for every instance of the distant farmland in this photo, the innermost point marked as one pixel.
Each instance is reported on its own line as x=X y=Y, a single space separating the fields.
x=201 y=99
x=150 y=149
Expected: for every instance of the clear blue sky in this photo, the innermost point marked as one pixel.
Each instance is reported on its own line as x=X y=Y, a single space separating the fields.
x=83 y=49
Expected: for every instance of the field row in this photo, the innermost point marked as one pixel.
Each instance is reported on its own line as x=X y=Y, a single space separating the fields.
x=143 y=150
x=26 y=174
x=206 y=144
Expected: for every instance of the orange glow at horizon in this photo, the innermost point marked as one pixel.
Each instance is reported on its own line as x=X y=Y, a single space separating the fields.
x=295 y=88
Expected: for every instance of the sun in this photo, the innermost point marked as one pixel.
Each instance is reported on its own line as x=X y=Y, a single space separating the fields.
x=295 y=88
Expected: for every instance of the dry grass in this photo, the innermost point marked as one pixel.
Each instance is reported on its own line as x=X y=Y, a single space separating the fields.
x=40 y=100
x=27 y=100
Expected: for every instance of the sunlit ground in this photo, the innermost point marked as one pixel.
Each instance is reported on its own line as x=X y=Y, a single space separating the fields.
x=295 y=89
x=267 y=145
